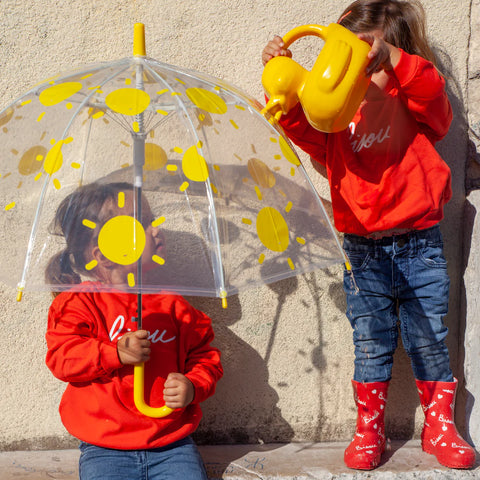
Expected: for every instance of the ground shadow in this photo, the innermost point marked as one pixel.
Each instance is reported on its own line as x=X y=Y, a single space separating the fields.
x=244 y=408
x=463 y=224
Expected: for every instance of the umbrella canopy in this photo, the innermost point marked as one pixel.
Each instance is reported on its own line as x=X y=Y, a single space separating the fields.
x=234 y=203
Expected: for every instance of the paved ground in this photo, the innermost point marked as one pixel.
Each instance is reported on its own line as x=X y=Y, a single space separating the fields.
x=295 y=461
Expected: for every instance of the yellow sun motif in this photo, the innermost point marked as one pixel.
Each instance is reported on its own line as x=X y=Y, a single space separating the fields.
x=6 y=117
x=58 y=93
x=155 y=156
x=54 y=159
x=206 y=100
x=288 y=153
x=194 y=165
x=273 y=232
x=272 y=228
x=122 y=239
x=128 y=101
x=261 y=173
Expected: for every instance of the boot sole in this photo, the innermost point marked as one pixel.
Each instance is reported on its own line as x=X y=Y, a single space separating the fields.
x=450 y=465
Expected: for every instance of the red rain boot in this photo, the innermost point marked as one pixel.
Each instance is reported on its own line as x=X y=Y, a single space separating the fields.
x=368 y=444
x=440 y=436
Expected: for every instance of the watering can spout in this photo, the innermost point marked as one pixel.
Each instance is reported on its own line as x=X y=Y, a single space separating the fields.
x=332 y=91
x=283 y=80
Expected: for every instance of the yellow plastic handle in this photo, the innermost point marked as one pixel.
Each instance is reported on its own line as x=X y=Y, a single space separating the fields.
x=303 y=31
x=139 y=398
x=332 y=91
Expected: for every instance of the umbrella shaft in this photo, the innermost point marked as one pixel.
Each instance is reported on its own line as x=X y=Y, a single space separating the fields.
x=138 y=160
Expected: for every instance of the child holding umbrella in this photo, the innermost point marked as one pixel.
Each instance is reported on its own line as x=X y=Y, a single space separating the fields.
x=93 y=343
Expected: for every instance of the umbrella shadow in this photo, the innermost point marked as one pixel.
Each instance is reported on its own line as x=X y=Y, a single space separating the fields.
x=244 y=408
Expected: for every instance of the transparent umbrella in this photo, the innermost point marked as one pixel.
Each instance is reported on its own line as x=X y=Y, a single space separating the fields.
x=234 y=203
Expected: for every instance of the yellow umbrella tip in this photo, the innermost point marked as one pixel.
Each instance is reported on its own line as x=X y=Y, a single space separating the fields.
x=19 y=294
x=139 y=40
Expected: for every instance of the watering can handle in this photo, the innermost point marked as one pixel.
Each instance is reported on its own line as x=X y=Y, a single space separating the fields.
x=303 y=31
x=139 y=399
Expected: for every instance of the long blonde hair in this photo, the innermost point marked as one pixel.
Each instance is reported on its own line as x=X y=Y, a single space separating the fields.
x=402 y=23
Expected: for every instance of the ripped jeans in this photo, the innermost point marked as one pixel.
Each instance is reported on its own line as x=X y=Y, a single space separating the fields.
x=401 y=279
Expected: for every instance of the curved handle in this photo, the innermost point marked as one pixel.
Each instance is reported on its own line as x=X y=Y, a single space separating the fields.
x=139 y=398
x=303 y=31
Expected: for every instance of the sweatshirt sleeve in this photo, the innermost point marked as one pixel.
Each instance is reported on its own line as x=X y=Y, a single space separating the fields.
x=202 y=362
x=75 y=354
x=302 y=134
x=422 y=89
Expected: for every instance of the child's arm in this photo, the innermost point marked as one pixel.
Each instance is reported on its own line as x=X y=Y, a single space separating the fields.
x=199 y=360
x=422 y=88
x=75 y=353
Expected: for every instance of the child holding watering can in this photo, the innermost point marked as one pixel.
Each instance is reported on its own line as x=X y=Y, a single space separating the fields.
x=94 y=344
x=388 y=189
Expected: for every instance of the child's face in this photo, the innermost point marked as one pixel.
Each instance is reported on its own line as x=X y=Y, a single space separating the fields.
x=110 y=256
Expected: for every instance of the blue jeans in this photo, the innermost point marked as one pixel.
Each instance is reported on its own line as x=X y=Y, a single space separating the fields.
x=401 y=279
x=178 y=461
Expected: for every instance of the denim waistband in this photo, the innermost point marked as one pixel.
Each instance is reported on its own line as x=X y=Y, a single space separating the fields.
x=432 y=233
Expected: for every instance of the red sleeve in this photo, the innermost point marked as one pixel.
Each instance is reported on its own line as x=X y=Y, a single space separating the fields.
x=422 y=88
x=202 y=361
x=75 y=354
x=302 y=134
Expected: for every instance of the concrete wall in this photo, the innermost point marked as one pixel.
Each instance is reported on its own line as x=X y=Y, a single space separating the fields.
x=471 y=303
x=287 y=347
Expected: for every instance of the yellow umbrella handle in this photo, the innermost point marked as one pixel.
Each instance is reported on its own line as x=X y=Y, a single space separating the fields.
x=139 y=399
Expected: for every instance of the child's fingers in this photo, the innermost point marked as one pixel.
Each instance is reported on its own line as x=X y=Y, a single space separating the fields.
x=173 y=380
x=274 y=48
x=141 y=333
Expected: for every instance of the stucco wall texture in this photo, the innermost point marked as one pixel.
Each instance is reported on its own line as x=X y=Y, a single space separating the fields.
x=287 y=348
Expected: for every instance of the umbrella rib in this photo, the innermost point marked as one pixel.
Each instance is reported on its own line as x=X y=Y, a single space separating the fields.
x=33 y=232
x=217 y=259
x=87 y=97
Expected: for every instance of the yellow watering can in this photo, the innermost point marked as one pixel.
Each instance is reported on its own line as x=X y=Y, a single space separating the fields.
x=332 y=91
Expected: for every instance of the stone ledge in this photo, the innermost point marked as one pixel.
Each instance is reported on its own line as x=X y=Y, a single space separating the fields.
x=294 y=461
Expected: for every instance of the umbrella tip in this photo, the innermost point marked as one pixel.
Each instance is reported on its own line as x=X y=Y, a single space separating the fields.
x=223 y=296
x=139 y=40
x=19 y=293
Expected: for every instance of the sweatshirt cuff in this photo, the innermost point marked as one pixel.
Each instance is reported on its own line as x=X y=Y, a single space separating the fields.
x=202 y=389
x=406 y=67
x=109 y=356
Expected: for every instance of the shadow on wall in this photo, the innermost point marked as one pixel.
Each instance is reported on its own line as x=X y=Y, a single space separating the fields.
x=456 y=321
x=244 y=407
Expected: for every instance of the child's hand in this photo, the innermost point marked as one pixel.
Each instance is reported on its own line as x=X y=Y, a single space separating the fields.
x=382 y=55
x=274 y=48
x=134 y=348
x=179 y=391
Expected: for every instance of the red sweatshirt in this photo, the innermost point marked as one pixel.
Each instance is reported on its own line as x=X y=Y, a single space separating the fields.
x=97 y=406
x=384 y=171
